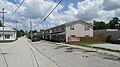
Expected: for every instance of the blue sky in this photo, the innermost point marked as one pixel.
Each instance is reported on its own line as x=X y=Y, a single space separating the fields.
x=67 y=2
x=64 y=2
x=14 y=1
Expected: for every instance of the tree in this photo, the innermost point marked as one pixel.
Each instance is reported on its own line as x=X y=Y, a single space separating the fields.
x=99 y=25
x=1 y=24
x=107 y=26
x=33 y=32
x=20 y=33
x=113 y=24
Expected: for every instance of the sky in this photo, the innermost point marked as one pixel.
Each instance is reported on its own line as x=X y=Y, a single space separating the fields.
x=68 y=10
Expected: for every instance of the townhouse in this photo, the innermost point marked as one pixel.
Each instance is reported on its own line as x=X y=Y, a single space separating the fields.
x=77 y=28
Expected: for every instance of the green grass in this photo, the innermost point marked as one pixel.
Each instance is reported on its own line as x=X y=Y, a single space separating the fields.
x=7 y=41
x=88 y=44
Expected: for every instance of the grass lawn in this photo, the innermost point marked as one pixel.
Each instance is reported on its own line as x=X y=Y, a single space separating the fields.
x=86 y=44
x=7 y=41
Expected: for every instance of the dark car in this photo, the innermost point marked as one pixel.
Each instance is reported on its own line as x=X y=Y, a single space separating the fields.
x=35 y=38
x=116 y=41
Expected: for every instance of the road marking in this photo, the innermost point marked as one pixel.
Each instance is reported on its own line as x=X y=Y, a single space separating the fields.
x=31 y=57
x=32 y=47
x=35 y=57
x=4 y=58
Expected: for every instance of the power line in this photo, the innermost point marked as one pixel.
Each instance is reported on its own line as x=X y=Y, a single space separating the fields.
x=49 y=9
x=16 y=10
x=50 y=12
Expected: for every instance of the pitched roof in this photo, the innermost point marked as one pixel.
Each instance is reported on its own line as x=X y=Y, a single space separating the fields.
x=6 y=29
x=76 y=21
x=72 y=22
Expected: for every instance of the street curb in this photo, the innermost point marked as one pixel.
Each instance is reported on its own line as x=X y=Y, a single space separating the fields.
x=93 y=49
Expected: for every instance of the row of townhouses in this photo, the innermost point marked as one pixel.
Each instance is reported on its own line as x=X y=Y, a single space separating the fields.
x=77 y=28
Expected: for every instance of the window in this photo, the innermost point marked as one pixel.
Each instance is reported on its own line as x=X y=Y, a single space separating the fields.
x=7 y=36
x=52 y=30
x=71 y=27
x=86 y=35
x=87 y=28
x=56 y=29
x=72 y=36
x=62 y=28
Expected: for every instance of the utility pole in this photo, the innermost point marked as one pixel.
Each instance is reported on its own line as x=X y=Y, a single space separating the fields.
x=16 y=25
x=31 y=29
x=16 y=29
x=3 y=12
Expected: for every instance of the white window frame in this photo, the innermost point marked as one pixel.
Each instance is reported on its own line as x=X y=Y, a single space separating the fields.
x=72 y=27
x=7 y=36
x=87 y=28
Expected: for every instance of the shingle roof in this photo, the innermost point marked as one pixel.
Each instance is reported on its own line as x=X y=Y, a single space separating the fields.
x=72 y=22
x=80 y=21
x=6 y=29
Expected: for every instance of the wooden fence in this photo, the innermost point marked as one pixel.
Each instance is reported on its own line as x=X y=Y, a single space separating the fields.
x=93 y=39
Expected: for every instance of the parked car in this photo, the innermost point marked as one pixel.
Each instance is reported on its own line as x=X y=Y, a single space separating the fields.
x=35 y=38
x=116 y=41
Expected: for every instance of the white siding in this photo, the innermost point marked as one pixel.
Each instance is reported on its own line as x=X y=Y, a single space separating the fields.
x=11 y=33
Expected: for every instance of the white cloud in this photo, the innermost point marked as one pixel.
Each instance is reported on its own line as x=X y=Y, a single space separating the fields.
x=117 y=12
x=111 y=4
x=87 y=10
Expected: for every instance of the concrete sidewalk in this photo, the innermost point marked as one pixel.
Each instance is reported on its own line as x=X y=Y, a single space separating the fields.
x=108 y=46
x=93 y=49
x=19 y=54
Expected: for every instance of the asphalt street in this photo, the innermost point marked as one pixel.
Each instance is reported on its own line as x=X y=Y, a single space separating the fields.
x=21 y=54
x=72 y=57
x=24 y=53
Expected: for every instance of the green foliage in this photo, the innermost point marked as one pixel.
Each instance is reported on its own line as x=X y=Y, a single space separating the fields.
x=6 y=41
x=33 y=32
x=86 y=44
x=1 y=24
x=113 y=24
x=99 y=25
x=20 y=33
